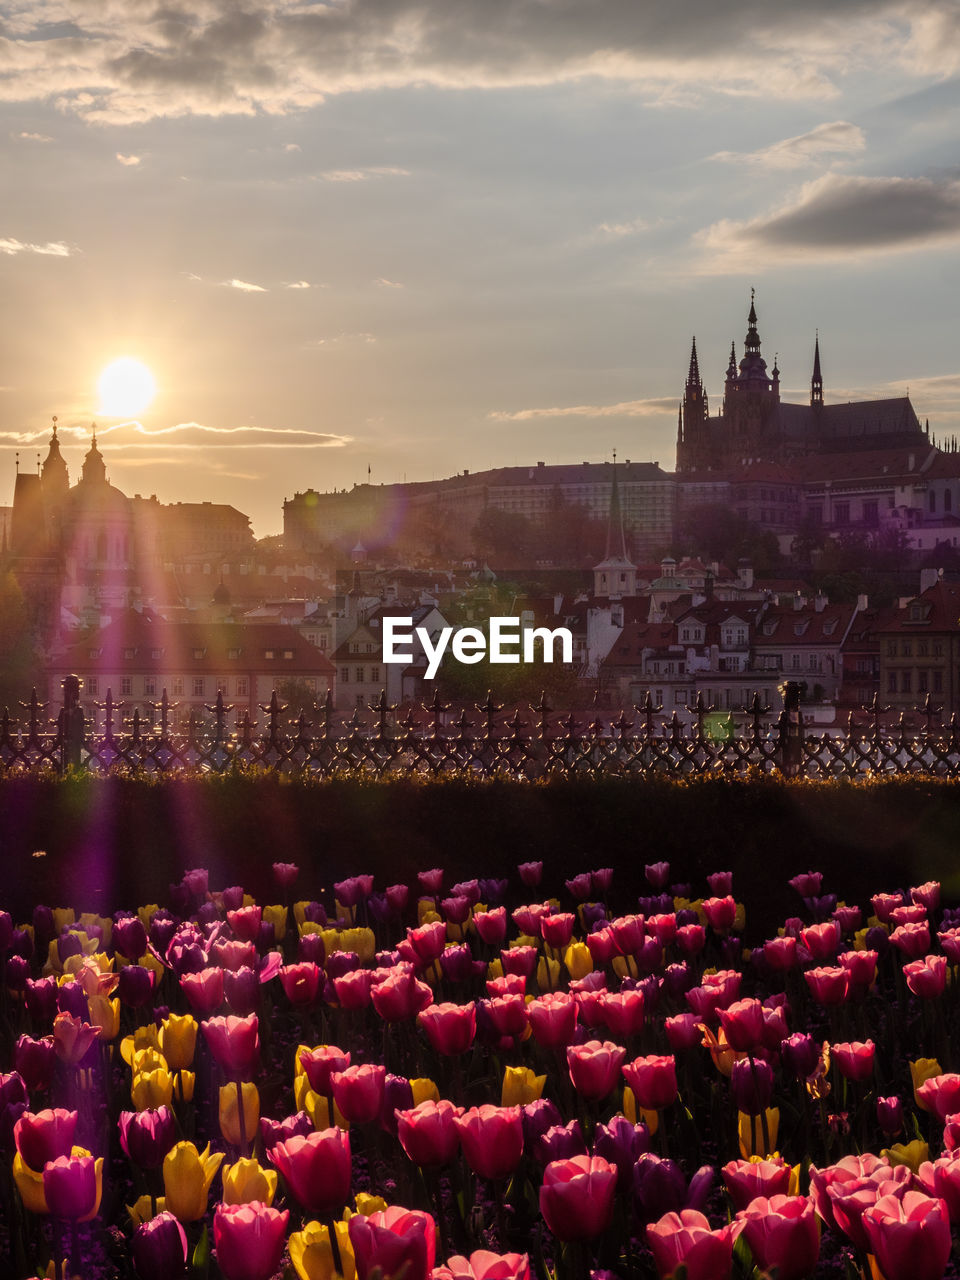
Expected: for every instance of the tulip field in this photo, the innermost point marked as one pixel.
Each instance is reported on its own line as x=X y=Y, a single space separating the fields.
x=496 y=1079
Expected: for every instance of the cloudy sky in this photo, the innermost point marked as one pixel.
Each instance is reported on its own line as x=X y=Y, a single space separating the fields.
x=422 y=235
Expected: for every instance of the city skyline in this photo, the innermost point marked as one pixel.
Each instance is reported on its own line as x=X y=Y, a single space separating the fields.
x=409 y=239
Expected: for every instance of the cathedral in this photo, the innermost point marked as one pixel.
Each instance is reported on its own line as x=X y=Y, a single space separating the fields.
x=755 y=425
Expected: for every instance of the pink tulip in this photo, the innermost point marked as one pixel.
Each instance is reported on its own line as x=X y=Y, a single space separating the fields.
x=855 y=1060
x=320 y=1063
x=358 y=1091
x=595 y=1067
x=742 y=1023
x=484 y=1265
x=683 y=1031
x=70 y=1186
x=44 y=1136
x=828 y=985
x=745 y=1180
x=530 y=873
x=557 y=930
x=353 y=988
x=941 y=1095
x=576 y=1197
x=393 y=1242
x=910 y=1237
x=450 y=1027
x=300 y=982
x=317 y=1169
x=849 y=1169
x=492 y=1139
x=553 y=1019
x=850 y=1200
x=781 y=953
x=245 y=922
x=782 y=1232
x=912 y=939
x=653 y=1081
x=720 y=912
x=400 y=996
x=249 y=1239
x=927 y=978
x=428 y=1133
x=204 y=990
x=491 y=925
x=685 y=1239
x=234 y=1043
x=622 y=1011
x=821 y=940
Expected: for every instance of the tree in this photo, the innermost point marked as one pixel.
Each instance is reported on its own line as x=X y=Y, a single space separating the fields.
x=503 y=535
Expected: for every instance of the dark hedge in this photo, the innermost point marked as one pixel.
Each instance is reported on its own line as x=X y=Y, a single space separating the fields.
x=120 y=841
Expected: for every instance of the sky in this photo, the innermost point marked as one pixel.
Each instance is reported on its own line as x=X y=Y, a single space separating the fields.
x=418 y=236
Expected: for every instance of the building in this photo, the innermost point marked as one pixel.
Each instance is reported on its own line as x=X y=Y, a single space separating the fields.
x=140 y=656
x=919 y=649
x=755 y=425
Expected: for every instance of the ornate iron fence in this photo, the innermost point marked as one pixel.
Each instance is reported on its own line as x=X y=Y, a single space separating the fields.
x=496 y=743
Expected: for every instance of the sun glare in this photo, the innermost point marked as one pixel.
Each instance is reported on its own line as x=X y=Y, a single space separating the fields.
x=126 y=388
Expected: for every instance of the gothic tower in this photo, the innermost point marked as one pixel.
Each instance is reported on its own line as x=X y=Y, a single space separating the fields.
x=751 y=402
x=694 y=445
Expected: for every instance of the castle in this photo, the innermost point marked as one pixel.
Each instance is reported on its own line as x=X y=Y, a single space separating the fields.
x=755 y=425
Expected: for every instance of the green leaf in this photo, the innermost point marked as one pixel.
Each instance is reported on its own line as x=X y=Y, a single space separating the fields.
x=201 y=1254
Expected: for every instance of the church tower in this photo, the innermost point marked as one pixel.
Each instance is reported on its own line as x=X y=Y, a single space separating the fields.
x=94 y=470
x=816 y=382
x=751 y=402
x=54 y=485
x=616 y=575
x=694 y=448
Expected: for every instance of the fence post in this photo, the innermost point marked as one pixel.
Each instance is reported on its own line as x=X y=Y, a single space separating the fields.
x=74 y=724
x=791 y=731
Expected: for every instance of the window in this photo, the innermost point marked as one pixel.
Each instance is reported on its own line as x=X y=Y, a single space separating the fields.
x=345 y=674
x=906 y=682
x=126 y=686
x=815 y=513
x=680 y=698
x=269 y=654
x=199 y=653
x=938 y=682
x=891 y=648
x=932 y=501
x=921 y=648
x=937 y=649
x=358 y=675
x=177 y=686
x=198 y=683
x=374 y=673
x=156 y=653
x=233 y=653
x=871 y=515
x=892 y=682
x=841 y=513
x=795 y=661
x=129 y=653
x=243 y=687
x=93 y=685
x=150 y=686
x=921 y=682
x=288 y=654
x=907 y=650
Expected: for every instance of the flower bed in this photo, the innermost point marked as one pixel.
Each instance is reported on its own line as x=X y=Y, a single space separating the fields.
x=468 y=1080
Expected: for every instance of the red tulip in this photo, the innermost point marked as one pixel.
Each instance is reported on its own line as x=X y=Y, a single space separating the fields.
x=782 y=1232
x=691 y=939
x=394 y=1242
x=622 y=1011
x=285 y=873
x=507 y=1014
x=317 y=1169
x=492 y=1139
x=685 y=1240
x=300 y=982
x=861 y=966
x=927 y=978
x=519 y=960
x=747 y=1179
x=484 y=1265
x=821 y=940
x=44 y=1136
x=855 y=1060
x=245 y=922
x=450 y=1028
x=942 y=1178
x=491 y=925
x=428 y=941
x=358 y=1092
x=653 y=1081
x=553 y=1019
x=400 y=996
x=828 y=985
x=557 y=930
x=576 y=1198
x=720 y=912
x=742 y=1023
x=249 y=1239
x=885 y=903
x=353 y=988
x=595 y=1067
x=910 y=1237
x=428 y=1133
x=234 y=1043
x=850 y=1169
x=320 y=1063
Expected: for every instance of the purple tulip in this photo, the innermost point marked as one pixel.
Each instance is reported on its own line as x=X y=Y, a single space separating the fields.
x=560 y=1142
x=275 y=1131
x=341 y=962
x=397 y=1096
x=622 y=1144
x=147 y=1136
x=799 y=1054
x=41 y=998
x=135 y=985
x=160 y=1248
x=35 y=1061
x=538 y=1117
x=751 y=1084
x=16 y=971
x=129 y=937
x=242 y=990
x=13 y=1103
x=71 y=998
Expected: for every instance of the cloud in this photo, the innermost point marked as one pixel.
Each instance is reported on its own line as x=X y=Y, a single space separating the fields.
x=124 y=61
x=291 y=146
x=34 y=137
x=128 y=160
x=298 y=284
x=634 y=227
x=840 y=216
x=384 y=283
x=243 y=285
x=338 y=338
x=122 y=436
x=361 y=175
x=52 y=248
x=626 y=409
x=837 y=139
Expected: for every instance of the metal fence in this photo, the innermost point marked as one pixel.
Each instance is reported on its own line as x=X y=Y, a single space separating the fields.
x=494 y=742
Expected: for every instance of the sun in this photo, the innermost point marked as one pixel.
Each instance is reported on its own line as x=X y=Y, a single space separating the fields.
x=126 y=388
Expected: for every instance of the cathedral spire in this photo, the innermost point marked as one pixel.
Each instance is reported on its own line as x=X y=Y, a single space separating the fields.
x=751 y=342
x=816 y=382
x=693 y=376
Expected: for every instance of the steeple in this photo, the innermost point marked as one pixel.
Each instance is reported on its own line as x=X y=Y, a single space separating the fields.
x=94 y=469
x=816 y=382
x=616 y=543
x=732 y=363
x=693 y=376
x=751 y=343
x=55 y=480
x=615 y=576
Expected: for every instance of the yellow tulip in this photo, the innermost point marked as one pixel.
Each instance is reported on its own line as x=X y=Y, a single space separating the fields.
x=30 y=1186
x=921 y=1070
x=178 y=1040
x=105 y=923
x=637 y=1114
x=523 y=940
x=183 y=1083
x=149 y=961
x=548 y=971
x=367 y=1204
x=105 y=1014
x=912 y=1154
x=495 y=969
x=739 y=917
x=187 y=1174
x=315 y=1105
x=520 y=1086
x=277 y=916
x=424 y=1090
x=143 y=1038
x=723 y=1056
x=152 y=1089
x=247 y=1180
x=300 y=912
x=147 y=1060
x=312 y=1256
x=361 y=941
x=751 y=1133
x=578 y=960
x=142 y=1211
x=230 y=1113
x=625 y=967
x=147 y=913
x=62 y=917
